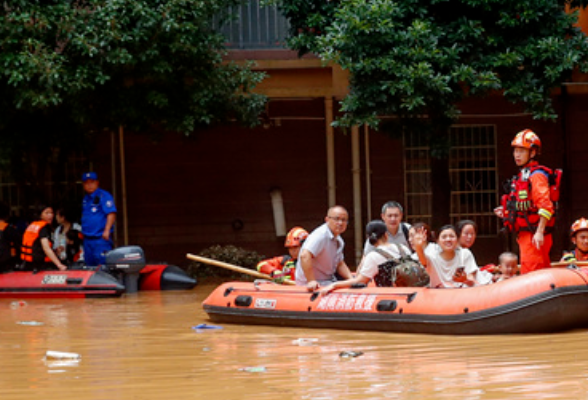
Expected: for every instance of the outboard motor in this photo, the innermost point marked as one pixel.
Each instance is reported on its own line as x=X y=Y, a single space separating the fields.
x=126 y=262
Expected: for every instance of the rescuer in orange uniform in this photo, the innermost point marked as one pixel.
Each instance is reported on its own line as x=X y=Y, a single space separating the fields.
x=579 y=236
x=528 y=209
x=285 y=266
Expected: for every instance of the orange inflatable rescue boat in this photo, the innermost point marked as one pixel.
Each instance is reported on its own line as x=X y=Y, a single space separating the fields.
x=549 y=300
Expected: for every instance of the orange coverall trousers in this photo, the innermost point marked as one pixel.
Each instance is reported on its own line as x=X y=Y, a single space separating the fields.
x=532 y=258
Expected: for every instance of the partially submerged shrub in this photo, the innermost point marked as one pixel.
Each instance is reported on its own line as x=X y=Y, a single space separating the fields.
x=229 y=254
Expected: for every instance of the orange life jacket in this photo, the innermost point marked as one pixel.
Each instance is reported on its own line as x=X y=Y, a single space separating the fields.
x=31 y=249
x=520 y=213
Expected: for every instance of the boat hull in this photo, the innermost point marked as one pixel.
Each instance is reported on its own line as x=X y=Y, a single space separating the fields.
x=165 y=277
x=544 y=301
x=87 y=282
x=59 y=284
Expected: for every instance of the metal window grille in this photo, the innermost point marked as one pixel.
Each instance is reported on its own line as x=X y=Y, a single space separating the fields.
x=61 y=190
x=473 y=173
x=255 y=27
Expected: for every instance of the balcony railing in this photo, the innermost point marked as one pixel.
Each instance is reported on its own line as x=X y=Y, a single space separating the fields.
x=255 y=27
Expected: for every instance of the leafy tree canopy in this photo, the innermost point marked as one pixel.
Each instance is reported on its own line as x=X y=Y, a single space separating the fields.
x=417 y=59
x=420 y=57
x=96 y=64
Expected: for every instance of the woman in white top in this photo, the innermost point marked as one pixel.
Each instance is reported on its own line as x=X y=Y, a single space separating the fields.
x=59 y=239
x=377 y=234
x=449 y=265
x=467 y=231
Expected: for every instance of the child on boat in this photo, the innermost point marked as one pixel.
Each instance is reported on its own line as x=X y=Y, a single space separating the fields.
x=74 y=249
x=284 y=267
x=377 y=234
x=507 y=266
x=579 y=237
x=449 y=265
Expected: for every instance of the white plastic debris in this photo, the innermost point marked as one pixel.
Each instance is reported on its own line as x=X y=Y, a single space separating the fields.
x=253 y=369
x=61 y=355
x=304 y=341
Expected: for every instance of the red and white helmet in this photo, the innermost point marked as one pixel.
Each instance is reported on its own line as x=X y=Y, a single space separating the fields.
x=580 y=225
x=528 y=140
x=295 y=237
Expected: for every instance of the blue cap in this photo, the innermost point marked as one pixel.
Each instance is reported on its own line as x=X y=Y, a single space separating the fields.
x=89 y=175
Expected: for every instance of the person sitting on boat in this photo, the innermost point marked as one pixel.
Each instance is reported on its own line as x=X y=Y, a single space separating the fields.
x=467 y=231
x=74 y=249
x=64 y=218
x=412 y=233
x=579 y=237
x=9 y=240
x=37 y=250
x=392 y=213
x=377 y=234
x=507 y=267
x=449 y=265
x=284 y=267
x=321 y=255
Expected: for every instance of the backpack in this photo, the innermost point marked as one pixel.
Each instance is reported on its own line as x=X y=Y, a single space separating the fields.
x=405 y=230
x=400 y=272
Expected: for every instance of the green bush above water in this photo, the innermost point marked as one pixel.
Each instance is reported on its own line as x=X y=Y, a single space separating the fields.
x=229 y=254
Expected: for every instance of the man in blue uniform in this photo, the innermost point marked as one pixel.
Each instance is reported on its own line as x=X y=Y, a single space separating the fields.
x=98 y=216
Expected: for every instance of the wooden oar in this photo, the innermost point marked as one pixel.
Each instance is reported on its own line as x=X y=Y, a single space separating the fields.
x=235 y=268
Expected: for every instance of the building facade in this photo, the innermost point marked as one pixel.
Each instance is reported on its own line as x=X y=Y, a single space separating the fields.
x=227 y=185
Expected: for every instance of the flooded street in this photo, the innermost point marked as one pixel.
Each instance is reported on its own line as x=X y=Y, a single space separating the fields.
x=144 y=346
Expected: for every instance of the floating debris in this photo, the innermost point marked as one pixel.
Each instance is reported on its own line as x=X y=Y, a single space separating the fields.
x=18 y=304
x=304 y=341
x=350 y=354
x=253 y=369
x=61 y=364
x=30 y=323
x=203 y=327
x=60 y=355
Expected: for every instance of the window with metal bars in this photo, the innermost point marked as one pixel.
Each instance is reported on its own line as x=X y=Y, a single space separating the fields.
x=255 y=26
x=473 y=173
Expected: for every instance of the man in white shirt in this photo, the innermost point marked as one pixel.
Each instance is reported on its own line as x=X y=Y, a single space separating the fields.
x=392 y=213
x=321 y=255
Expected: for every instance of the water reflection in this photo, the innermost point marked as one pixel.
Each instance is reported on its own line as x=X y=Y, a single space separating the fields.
x=143 y=347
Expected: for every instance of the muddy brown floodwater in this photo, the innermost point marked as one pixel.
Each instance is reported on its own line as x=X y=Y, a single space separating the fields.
x=143 y=346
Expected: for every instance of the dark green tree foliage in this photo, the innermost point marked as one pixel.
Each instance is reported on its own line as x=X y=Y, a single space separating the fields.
x=420 y=57
x=103 y=63
x=417 y=59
